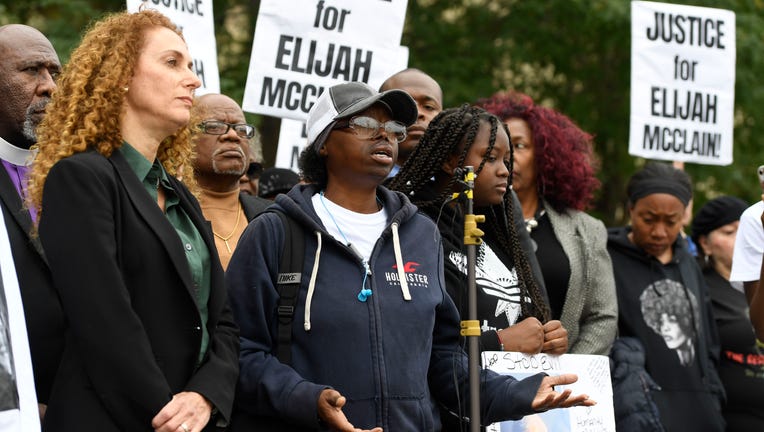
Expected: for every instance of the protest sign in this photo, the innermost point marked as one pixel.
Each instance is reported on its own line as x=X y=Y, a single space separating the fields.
x=293 y=137
x=682 y=83
x=593 y=379
x=301 y=47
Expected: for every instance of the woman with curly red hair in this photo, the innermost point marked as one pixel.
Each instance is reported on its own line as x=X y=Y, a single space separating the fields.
x=554 y=179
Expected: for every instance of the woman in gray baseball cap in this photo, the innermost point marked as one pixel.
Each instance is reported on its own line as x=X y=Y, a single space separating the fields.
x=373 y=337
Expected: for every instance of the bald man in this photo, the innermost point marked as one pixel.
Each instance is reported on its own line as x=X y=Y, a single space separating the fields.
x=222 y=157
x=28 y=71
x=429 y=101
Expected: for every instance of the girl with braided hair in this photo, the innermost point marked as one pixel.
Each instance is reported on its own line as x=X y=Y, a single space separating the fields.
x=554 y=178
x=512 y=305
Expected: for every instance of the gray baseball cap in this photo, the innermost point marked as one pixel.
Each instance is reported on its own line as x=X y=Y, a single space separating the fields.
x=347 y=99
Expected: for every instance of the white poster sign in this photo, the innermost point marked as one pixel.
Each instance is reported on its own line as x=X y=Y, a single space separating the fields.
x=301 y=47
x=18 y=400
x=593 y=379
x=292 y=139
x=682 y=83
x=195 y=18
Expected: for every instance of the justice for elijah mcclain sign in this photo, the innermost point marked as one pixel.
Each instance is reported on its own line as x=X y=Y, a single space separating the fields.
x=682 y=83
x=302 y=47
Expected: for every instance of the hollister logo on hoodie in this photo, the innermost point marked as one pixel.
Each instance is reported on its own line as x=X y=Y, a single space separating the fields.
x=413 y=278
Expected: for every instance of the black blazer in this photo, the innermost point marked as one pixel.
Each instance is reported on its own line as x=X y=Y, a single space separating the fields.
x=42 y=309
x=126 y=288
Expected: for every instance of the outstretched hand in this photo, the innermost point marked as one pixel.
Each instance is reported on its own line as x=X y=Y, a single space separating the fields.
x=330 y=403
x=547 y=398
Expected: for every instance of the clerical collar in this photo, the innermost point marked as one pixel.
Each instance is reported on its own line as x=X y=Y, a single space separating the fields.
x=15 y=155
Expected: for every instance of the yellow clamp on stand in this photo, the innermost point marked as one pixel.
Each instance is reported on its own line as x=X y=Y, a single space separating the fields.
x=470 y=328
x=473 y=234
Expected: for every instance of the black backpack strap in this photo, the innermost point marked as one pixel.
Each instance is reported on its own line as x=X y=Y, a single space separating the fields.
x=288 y=285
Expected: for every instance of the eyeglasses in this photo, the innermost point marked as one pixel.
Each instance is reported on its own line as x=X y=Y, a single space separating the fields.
x=254 y=169
x=215 y=127
x=368 y=128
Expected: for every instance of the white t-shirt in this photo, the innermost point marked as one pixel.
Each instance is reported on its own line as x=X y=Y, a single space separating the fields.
x=359 y=229
x=749 y=247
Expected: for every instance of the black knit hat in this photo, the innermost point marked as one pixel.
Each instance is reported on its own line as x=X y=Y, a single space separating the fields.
x=717 y=213
x=274 y=181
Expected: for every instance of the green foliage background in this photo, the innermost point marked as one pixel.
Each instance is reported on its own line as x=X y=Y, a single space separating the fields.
x=573 y=55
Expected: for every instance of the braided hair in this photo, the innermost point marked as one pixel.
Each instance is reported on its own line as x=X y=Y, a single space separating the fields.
x=453 y=132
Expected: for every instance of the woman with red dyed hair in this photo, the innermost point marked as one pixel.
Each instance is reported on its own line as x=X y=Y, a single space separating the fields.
x=554 y=179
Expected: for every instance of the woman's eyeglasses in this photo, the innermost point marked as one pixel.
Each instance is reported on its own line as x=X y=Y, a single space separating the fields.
x=215 y=127
x=368 y=128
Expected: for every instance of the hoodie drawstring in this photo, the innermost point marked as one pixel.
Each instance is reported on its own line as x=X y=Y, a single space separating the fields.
x=314 y=272
x=312 y=283
x=399 y=263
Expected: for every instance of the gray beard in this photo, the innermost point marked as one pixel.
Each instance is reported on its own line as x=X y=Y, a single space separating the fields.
x=29 y=129
x=230 y=172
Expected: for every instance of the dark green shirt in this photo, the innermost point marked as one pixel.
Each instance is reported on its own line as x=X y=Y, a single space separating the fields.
x=197 y=254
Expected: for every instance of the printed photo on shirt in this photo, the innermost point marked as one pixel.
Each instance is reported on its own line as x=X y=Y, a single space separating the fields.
x=668 y=308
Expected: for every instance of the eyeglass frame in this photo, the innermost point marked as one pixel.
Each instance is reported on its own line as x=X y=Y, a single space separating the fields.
x=203 y=127
x=348 y=124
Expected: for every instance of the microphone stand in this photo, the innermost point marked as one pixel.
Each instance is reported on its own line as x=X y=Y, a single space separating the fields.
x=470 y=328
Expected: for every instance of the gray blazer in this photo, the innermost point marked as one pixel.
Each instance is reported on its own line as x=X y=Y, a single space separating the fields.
x=590 y=312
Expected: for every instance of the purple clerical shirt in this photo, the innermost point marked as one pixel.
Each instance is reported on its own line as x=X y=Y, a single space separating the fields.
x=18 y=175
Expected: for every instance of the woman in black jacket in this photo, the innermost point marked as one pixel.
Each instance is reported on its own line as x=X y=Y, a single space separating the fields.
x=151 y=344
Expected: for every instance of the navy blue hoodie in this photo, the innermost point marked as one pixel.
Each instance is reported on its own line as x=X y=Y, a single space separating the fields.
x=392 y=358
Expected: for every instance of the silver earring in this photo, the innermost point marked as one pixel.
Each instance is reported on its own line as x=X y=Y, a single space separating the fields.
x=125 y=88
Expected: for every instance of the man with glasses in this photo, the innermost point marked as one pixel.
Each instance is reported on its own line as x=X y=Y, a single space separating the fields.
x=222 y=158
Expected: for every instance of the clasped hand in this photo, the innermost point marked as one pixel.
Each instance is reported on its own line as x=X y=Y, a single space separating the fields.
x=529 y=336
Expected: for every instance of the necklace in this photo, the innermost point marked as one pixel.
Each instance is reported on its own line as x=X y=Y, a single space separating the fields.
x=236 y=225
x=364 y=293
x=532 y=223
